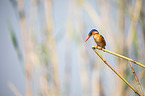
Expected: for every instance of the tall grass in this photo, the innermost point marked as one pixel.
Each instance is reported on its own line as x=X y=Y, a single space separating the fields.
x=44 y=31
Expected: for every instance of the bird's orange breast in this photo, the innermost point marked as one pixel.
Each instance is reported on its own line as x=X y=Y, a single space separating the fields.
x=99 y=40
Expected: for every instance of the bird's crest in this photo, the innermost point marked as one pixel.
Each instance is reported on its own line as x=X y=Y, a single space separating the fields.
x=93 y=31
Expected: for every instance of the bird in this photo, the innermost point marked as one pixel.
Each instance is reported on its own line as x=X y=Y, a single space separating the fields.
x=99 y=39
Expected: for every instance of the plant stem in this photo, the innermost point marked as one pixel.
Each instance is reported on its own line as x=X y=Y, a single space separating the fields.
x=121 y=56
x=116 y=72
x=136 y=78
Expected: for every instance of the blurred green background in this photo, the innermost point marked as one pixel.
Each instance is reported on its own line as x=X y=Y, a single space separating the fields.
x=43 y=52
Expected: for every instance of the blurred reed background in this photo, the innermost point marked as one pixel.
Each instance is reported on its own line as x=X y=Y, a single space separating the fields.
x=43 y=52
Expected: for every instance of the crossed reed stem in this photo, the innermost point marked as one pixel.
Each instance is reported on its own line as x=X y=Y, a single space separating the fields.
x=136 y=78
x=93 y=47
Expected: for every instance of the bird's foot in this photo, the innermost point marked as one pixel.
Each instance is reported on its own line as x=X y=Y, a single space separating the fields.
x=96 y=47
x=100 y=48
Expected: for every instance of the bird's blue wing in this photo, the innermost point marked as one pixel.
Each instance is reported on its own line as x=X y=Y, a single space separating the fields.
x=102 y=36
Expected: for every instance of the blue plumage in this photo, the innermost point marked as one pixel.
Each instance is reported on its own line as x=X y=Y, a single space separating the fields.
x=93 y=31
x=102 y=36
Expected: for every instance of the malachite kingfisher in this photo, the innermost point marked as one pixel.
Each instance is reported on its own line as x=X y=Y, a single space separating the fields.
x=99 y=39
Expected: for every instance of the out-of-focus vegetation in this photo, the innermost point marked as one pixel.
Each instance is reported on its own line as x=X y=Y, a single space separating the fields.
x=57 y=61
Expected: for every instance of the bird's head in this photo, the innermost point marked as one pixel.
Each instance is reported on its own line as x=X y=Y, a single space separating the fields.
x=92 y=32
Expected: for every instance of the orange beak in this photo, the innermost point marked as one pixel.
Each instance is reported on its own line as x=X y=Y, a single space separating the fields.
x=87 y=38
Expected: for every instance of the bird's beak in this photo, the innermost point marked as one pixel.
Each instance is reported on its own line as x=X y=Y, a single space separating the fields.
x=87 y=38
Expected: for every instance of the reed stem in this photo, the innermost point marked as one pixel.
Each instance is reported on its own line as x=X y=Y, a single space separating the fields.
x=136 y=78
x=116 y=72
x=118 y=55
